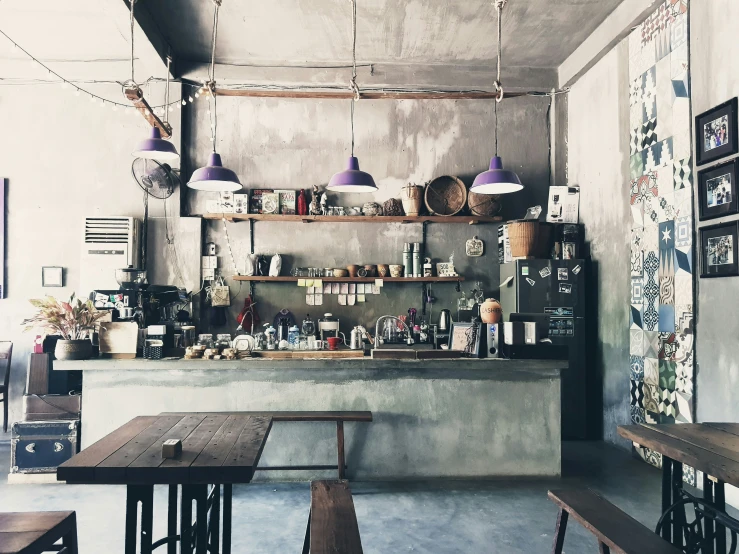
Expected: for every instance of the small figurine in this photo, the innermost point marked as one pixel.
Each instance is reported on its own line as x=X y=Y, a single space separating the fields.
x=324 y=204
x=315 y=203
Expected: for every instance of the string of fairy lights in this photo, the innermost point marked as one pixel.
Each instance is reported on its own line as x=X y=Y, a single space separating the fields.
x=197 y=90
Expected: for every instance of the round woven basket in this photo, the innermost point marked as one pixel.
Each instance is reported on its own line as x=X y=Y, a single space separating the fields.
x=484 y=204
x=524 y=238
x=445 y=195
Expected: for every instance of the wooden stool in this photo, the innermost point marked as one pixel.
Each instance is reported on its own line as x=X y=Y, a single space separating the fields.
x=37 y=532
x=332 y=523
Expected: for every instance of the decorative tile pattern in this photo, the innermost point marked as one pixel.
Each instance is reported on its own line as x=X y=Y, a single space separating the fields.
x=661 y=339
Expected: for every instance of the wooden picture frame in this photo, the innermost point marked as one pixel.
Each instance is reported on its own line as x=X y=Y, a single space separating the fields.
x=718 y=254
x=717 y=190
x=52 y=276
x=716 y=133
x=465 y=338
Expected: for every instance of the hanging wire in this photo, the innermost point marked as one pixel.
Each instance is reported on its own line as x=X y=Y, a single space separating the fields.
x=211 y=83
x=353 y=82
x=352 y=118
x=499 y=5
x=133 y=3
x=166 y=91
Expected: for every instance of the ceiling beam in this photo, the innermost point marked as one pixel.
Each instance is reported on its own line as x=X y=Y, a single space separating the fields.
x=377 y=75
x=616 y=27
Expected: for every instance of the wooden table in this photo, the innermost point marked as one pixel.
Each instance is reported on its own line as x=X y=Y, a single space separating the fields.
x=712 y=448
x=217 y=450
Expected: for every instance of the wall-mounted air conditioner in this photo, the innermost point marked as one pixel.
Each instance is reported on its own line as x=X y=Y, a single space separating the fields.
x=110 y=243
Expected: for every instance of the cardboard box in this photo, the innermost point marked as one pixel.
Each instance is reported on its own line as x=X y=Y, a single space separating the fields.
x=241 y=203
x=564 y=205
x=271 y=203
x=227 y=202
x=255 y=202
x=287 y=201
x=43 y=407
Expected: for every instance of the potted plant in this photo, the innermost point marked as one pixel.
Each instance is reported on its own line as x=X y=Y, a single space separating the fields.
x=71 y=320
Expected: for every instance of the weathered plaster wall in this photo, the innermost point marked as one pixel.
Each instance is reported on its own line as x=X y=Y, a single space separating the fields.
x=292 y=144
x=65 y=159
x=598 y=156
x=715 y=79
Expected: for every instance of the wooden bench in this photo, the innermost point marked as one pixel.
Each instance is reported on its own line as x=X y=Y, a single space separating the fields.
x=37 y=532
x=338 y=417
x=615 y=530
x=332 y=523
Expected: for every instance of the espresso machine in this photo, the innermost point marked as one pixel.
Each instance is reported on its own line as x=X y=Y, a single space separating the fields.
x=138 y=301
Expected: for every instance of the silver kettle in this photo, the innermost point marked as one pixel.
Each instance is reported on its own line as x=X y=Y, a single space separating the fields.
x=445 y=321
x=357 y=337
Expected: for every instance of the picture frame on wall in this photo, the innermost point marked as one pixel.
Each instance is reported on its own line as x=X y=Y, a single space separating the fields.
x=719 y=255
x=716 y=133
x=717 y=191
x=3 y=188
x=52 y=276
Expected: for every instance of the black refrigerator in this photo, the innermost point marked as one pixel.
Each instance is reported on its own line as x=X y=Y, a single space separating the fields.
x=557 y=288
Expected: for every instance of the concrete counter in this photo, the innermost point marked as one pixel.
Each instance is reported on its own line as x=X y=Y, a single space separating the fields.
x=432 y=418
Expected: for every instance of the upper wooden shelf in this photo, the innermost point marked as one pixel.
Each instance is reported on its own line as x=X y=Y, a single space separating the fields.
x=291 y=279
x=470 y=219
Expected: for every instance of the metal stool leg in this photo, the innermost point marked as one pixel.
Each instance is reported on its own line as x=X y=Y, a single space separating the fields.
x=340 y=447
x=186 y=520
x=172 y=520
x=214 y=523
x=227 y=511
x=69 y=541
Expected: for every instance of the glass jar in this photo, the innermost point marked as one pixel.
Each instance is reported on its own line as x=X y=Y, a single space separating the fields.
x=205 y=340
x=223 y=341
x=293 y=338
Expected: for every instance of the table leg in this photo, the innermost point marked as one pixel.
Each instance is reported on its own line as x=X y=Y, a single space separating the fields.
x=720 y=503
x=186 y=520
x=227 y=500
x=708 y=523
x=678 y=515
x=667 y=497
x=145 y=495
x=201 y=497
x=215 y=521
x=172 y=520
x=340 y=447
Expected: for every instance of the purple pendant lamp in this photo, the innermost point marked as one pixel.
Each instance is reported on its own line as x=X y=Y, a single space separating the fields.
x=496 y=180
x=156 y=148
x=352 y=179
x=214 y=177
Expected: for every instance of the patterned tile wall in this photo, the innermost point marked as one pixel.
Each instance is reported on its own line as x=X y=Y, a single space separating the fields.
x=660 y=192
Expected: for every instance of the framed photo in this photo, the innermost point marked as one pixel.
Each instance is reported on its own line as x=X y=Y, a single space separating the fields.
x=52 y=277
x=465 y=337
x=3 y=183
x=716 y=133
x=719 y=250
x=717 y=190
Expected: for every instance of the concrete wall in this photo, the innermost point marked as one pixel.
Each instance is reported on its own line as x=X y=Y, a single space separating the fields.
x=278 y=143
x=715 y=79
x=598 y=158
x=65 y=159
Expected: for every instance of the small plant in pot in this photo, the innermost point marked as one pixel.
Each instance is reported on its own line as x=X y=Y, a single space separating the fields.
x=72 y=321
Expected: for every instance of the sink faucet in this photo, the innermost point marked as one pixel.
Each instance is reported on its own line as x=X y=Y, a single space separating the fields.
x=377 y=329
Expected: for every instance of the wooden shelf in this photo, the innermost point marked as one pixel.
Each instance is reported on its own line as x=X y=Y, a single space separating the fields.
x=469 y=219
x=291 y=279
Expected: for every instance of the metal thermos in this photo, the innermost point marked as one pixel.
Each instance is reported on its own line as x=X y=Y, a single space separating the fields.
x=356 y=338
x=417 y=259
x=445 y=321
x=407 y=260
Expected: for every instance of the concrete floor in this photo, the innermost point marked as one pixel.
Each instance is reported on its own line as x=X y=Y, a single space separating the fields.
x=433 y=516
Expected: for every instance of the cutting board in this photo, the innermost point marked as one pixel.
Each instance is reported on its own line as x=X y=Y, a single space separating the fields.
x=307 y=354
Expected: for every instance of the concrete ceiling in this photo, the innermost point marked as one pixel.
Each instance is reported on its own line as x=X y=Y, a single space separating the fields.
x=537 y=33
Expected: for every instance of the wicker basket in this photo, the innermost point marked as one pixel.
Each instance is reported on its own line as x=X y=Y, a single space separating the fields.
x=446 y=195
x=484 y=204
x=524 y=238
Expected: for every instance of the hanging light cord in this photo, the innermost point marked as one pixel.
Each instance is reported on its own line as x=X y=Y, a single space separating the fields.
x=133 y=3
x=353 y=83
x=211 y=84
x=166 y=91
x=499 y=5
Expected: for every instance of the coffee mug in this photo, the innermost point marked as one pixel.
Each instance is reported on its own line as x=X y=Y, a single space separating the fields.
x=334 y=342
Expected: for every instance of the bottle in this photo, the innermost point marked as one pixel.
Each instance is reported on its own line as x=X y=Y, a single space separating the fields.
x=270 y=336
x=408 y=268
x=293 y=338
x=417 y=259
x=302 y=203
